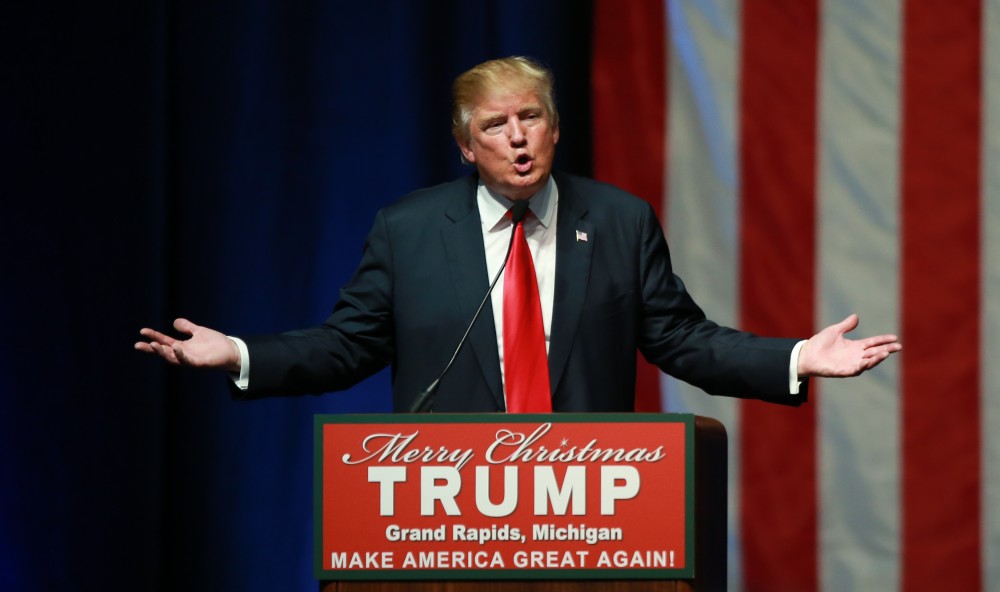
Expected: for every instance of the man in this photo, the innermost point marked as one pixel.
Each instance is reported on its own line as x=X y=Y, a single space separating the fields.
x=604 y=282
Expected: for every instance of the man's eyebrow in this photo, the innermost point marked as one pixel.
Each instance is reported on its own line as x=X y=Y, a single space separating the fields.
x=489 y=115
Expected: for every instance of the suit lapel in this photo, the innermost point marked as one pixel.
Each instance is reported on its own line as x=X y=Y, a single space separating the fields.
x=463 y=244
x=575 y=238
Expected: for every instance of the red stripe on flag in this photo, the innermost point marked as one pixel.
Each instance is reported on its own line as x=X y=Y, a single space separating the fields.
x=778 y=172
x=629 y=118
x=941 y=295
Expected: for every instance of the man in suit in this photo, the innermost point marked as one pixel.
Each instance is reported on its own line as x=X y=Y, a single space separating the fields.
x=604 y=282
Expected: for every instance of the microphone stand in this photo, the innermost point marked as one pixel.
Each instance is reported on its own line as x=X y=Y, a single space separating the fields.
x=425 y=399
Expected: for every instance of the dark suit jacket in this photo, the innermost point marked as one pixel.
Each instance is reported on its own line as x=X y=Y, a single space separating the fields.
x=423 y=274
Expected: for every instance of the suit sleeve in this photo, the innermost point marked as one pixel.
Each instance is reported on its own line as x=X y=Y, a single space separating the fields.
x=354 y=342
x=676 y=336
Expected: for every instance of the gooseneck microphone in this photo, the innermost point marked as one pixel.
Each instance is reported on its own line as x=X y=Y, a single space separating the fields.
x=425 y=399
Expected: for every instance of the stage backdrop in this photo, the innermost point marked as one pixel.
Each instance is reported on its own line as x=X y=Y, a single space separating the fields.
x=811 y=159
x=222 y=161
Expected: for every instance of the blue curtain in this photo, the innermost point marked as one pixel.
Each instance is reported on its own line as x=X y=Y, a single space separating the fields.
x=220 y=161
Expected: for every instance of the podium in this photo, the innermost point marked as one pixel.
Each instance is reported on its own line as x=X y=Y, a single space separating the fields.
x=709 y=517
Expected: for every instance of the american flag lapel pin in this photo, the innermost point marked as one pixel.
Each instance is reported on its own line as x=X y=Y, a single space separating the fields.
x=581 y=236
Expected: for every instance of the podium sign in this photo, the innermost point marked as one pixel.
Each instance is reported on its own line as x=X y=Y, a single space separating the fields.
x=476 y=496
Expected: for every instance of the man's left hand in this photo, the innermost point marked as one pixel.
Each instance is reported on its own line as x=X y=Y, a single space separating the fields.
x=830 y=353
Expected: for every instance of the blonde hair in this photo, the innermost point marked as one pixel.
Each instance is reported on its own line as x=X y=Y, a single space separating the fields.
x=512 y=73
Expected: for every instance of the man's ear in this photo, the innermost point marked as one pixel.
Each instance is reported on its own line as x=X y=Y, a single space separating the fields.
x=465 y=146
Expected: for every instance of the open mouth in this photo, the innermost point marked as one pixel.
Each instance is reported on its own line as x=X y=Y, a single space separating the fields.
x=522 y=163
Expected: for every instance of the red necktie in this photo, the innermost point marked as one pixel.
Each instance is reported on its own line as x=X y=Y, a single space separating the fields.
x=525 y=363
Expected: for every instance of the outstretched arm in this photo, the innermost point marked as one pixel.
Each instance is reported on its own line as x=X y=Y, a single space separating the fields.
x=204 y=348
x=830 y=353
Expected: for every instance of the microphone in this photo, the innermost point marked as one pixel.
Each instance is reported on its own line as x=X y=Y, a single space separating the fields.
x=517 y=213
x=426 y=397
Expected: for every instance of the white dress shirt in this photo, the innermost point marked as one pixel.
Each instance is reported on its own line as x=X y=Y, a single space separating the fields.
x=540 y=232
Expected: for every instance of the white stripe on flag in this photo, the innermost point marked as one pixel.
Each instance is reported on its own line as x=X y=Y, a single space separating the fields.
x=858 y=271
x=702 y=197
x=990 y=362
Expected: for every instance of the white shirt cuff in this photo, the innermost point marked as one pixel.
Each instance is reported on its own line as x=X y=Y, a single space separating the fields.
x=793 y=369
x=242 y=379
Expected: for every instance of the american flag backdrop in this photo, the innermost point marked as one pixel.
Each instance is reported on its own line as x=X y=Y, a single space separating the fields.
x=809 y=159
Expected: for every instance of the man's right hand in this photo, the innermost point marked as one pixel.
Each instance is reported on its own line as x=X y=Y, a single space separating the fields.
x=204 y=348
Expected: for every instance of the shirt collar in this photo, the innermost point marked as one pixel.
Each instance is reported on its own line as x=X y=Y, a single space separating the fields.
x=493 y=206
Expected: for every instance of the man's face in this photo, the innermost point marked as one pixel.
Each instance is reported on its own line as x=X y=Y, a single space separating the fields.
x=511 y=142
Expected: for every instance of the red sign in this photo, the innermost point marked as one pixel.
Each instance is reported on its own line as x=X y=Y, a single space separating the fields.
x=504 y=496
